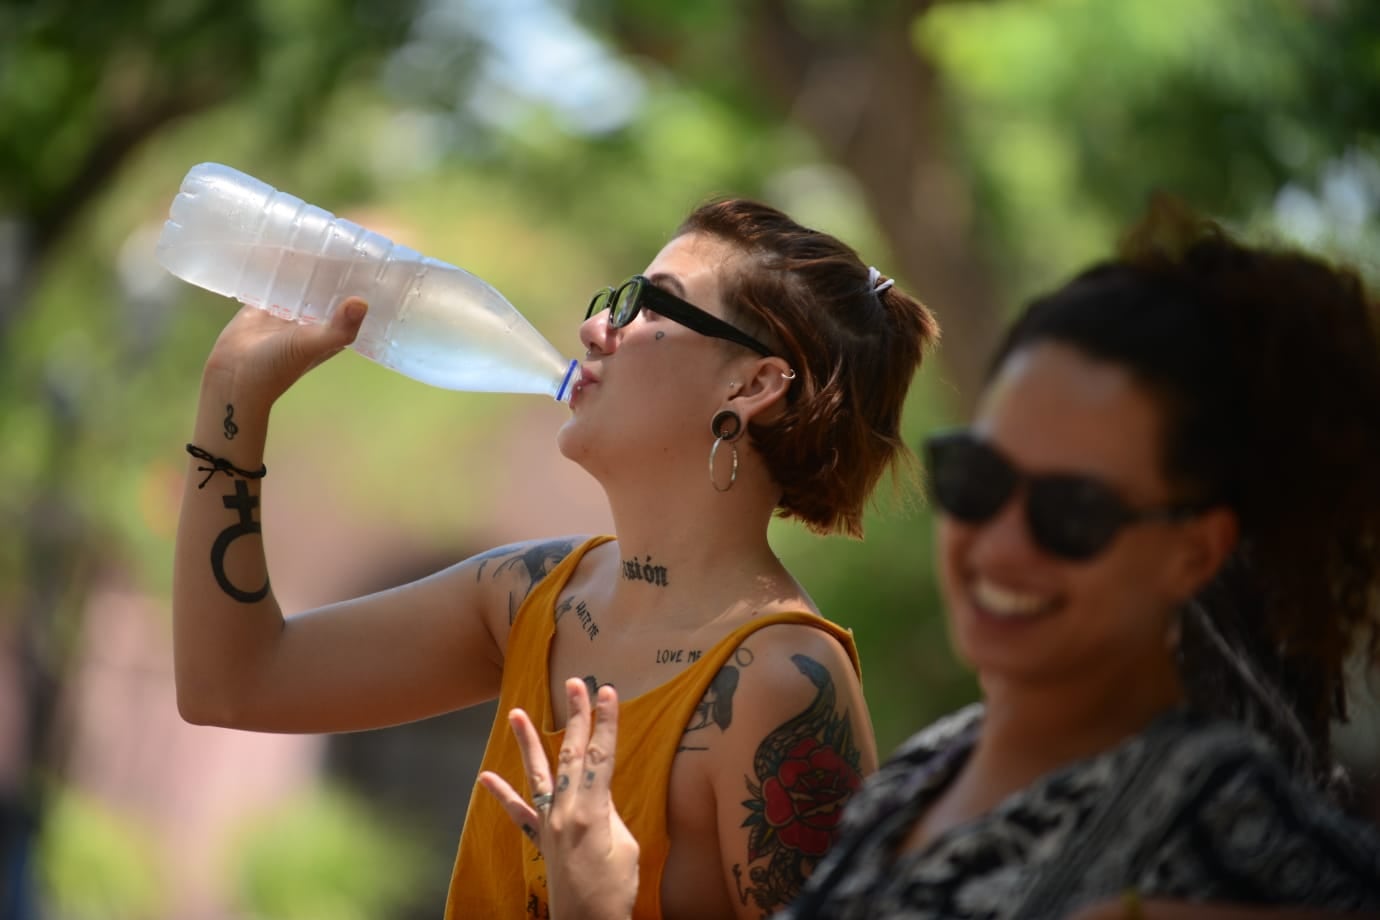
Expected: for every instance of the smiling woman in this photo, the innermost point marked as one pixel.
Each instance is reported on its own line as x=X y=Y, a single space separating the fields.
x=1157 y=585
x=762 y=349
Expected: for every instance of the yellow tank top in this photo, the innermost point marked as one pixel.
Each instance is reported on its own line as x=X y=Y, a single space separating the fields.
x=498 y=871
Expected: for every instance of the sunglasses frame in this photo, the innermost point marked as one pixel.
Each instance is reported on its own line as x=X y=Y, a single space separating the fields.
x=666 y=304
x=1046 y=535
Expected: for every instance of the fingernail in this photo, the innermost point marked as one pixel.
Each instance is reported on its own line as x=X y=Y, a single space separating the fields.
x=355 y=310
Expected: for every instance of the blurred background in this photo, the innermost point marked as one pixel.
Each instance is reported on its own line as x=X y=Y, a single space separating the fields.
x=978 y=151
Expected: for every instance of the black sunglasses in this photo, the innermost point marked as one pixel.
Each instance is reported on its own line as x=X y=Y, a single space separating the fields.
x=1072 y=517
x=627 y=299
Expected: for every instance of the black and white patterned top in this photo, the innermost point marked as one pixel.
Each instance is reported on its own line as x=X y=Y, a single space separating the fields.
x=1188 y=809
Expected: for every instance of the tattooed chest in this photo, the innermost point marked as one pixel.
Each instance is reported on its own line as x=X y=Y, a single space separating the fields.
x=584 y=647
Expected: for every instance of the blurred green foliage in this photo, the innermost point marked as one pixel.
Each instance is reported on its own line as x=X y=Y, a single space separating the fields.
x=1069 y=113
x=326 y=855
x=96 y=864
x=1061 y=115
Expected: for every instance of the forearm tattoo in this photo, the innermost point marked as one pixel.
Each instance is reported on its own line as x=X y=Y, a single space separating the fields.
x=525 y=565
x=244 y=504
x=806 y=771
x=230 y=428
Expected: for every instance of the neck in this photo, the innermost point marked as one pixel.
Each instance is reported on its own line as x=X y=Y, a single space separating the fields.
x=1045 y=725
x=692 y=550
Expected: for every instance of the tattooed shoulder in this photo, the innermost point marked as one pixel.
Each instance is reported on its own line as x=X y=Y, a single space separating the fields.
x=805 y=771
x=533 y=559
x=522 y=565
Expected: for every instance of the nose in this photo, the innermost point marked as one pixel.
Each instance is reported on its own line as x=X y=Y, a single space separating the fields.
x=597 y=335
x=1005 y=538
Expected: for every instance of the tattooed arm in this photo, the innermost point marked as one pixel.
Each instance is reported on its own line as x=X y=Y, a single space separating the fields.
x=788 y=751
x=414 y=651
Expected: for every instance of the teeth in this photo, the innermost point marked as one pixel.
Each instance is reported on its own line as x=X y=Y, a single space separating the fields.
x=1005 y=602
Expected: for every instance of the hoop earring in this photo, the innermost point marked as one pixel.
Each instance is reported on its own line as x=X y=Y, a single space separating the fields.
x=726 y=425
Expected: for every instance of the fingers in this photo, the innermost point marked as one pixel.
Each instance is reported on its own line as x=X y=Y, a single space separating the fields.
x=348 y=317
x=580 y=790
x=533 y=756
x=602 y=744
x=570 y=761
x=521 y=814
x=320 y=341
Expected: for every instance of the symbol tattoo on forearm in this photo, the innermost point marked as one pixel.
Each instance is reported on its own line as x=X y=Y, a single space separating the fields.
x=231 y=429
x=245 y=504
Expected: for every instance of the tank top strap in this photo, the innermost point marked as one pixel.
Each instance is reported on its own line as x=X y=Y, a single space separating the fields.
x=726 y=646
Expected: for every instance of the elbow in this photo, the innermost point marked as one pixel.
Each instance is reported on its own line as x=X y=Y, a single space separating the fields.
x=200 y=708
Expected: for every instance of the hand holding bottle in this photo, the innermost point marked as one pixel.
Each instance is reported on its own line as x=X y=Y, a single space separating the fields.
x=265 y=355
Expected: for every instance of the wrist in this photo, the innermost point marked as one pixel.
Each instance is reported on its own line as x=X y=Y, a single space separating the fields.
x=230 y=423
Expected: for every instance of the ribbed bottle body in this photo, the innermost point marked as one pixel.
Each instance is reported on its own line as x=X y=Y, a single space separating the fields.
x=237 y=236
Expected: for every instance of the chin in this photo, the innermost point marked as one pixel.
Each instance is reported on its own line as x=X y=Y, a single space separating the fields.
x=573 y=443
x=577 y=444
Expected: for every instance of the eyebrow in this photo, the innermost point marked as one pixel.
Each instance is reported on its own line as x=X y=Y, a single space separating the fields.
x=670 y=282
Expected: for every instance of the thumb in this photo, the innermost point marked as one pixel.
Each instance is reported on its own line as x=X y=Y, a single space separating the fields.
x=346 y=321
x=325 y=340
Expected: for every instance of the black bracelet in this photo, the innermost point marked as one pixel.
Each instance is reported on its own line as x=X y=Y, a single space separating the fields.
x=221 y=465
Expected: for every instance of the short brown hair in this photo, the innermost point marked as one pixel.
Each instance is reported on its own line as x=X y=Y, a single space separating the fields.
x=854 y=342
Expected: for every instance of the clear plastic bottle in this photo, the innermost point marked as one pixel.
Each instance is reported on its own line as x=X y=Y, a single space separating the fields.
x=234 y=235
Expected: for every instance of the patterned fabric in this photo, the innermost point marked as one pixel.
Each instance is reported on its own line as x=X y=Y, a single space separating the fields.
x=1189 y=808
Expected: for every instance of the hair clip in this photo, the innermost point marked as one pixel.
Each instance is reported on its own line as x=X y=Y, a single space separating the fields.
x=874 y=278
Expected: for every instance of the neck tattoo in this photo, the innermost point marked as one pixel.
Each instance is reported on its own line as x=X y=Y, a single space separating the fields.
x=645 y=571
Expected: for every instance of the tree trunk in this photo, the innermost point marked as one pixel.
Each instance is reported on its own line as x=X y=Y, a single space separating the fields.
x=877 y=108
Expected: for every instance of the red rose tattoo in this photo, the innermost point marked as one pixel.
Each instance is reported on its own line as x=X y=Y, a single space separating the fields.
x=804 y=800
x=806 y=772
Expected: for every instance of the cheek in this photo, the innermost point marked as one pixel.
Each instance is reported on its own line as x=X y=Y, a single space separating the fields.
x=950 y=548
x=1105 y=589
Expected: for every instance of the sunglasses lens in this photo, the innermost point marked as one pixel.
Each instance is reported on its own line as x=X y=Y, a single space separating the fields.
x=625 y=303
x=1073 y=517
x=968 y=479
x=600 y=303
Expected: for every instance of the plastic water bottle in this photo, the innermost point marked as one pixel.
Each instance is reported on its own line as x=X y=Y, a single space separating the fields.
x=234 y=235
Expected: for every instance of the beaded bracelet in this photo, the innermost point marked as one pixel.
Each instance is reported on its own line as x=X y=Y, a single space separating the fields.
x=221 y=465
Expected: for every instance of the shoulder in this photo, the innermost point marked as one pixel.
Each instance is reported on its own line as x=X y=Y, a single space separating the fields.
x=787 y=650
x=527 y=559
x=794 y=687
x=1246 y=817
x=940 y=735
x=505 y=575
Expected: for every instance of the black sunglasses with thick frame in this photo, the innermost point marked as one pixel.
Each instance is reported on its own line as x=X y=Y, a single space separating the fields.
x=1070 y=516
x=625 y=301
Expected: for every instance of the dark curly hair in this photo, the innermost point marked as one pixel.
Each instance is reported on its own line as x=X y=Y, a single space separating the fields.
x=1266 y=363
x=854 y=349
